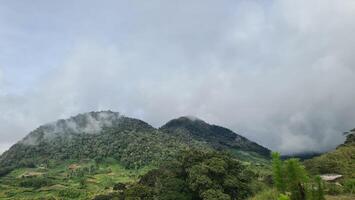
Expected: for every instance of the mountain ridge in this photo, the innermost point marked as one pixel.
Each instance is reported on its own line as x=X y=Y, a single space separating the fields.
x=219 y=137
x=133 y=142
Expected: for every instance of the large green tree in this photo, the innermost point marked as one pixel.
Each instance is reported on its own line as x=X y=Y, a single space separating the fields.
x=278 y=174
x=290 y=177
x=195 y=175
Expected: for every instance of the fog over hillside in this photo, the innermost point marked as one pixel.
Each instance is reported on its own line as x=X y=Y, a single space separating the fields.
x=278 y=72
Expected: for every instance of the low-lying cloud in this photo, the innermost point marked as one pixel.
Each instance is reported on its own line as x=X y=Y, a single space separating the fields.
x=280 y=72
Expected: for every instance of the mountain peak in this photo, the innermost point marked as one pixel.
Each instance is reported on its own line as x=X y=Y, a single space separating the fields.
x=88 y=123
x=183 y=121
x=91 y=122
x=131 y=141
x=190 y=117
x=218 y=137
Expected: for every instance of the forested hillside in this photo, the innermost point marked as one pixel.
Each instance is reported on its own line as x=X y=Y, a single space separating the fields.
x=339 y=161
x=96 y=135
x=218 y=137
x=132 y=142
x=78 y=155
x=107 y=156
x=194 y=175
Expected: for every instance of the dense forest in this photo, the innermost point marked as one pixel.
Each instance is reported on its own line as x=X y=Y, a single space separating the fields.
x=132 y=142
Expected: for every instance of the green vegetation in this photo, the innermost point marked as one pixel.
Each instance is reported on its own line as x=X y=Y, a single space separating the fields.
x=277 y=169
x=197 y=175
x=217 y=137
x=105 y=156
x=291 y=181
x=340 y=161
x=132 y=142
x=67 y=180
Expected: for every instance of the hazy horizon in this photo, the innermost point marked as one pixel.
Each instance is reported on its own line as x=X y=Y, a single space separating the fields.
x=280 y=73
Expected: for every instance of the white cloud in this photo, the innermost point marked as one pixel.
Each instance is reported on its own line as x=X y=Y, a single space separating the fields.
x=280 y=73
x=1 y=79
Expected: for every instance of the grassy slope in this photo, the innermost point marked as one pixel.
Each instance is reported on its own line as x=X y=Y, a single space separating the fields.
x=101 y=182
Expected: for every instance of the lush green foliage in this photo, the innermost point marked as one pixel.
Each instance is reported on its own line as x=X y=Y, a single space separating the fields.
x=63 y=182
x=133 y=148
x=218 y=137
x=290 y=177
x=35 y=182
x=317 y=190
x=340 y=161
x=194 y=175
x=350 y=186
x=129 y=159
x=283 y=197
x=267 y=194
x=278 y=174
x=132 y=142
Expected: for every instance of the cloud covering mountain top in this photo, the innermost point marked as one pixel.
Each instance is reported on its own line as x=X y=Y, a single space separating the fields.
x=279 y=72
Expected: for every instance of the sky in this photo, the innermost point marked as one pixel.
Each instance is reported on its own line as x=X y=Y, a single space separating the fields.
x=279 y=72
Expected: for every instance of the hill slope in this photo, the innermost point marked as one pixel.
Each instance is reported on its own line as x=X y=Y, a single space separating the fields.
x=95 y=135
x=218 y=137
x=340 y=161
x=132 y=142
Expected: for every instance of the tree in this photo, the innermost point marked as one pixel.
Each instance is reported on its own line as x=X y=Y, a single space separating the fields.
x=194 y=175
x=291 y=177
x=278 y=174
x=296 y=177
x=212 y=194
x=320 y=190
x=139 y=192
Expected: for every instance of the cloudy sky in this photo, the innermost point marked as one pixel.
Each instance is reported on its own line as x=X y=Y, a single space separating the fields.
x=279 y=72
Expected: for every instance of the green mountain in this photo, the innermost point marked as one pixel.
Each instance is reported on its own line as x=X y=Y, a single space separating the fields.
x=94 y=153
x=132 y=142
x=217 y=137
x=95 y=135
x=339 y=161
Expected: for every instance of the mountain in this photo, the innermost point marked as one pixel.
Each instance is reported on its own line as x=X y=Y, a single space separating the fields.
x=218 y=137
x=94 y=135
x=301 y=156
x=339 y=161
x=132 y=142
x=93 y=153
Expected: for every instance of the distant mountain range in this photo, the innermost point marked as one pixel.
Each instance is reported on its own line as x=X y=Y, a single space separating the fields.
x=301 y=156
x=134 y=143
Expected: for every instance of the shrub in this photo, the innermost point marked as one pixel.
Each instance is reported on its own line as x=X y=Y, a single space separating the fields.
x=5 y=170
x=283 y=197
x=350 y=186
x=269 y=194
x=214 y=194
x=69 y=193
x=334 y=189
x=35 y=182
x=278 y=173
x=119 y=186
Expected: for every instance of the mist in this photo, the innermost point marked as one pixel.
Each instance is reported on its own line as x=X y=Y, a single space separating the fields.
x=280 y=73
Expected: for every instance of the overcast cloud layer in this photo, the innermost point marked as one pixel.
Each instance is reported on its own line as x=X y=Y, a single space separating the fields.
x=281 y=73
